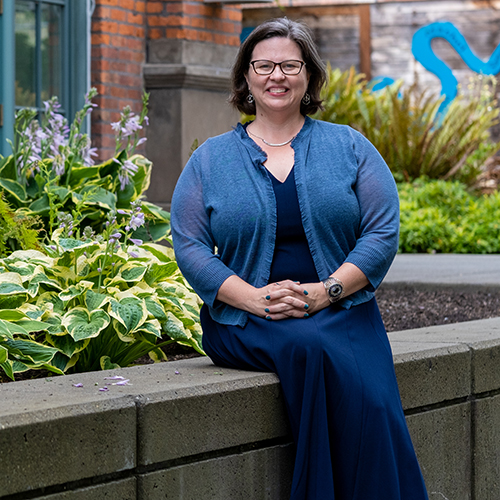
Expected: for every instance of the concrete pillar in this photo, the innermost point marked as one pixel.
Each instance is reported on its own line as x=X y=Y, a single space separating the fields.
x=189 y=84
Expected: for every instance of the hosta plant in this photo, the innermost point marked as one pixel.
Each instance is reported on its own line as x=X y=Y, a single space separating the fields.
x=52 y=170
x=97 y=302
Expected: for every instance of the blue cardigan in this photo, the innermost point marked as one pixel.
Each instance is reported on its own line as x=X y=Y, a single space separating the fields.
x=223 y=212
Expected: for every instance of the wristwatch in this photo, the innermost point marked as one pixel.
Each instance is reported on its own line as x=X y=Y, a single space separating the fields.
x=334 y=288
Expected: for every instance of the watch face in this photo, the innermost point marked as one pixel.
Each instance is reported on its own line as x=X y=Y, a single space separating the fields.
x=335 y=290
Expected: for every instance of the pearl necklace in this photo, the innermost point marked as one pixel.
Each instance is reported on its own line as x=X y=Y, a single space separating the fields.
x=270 y=143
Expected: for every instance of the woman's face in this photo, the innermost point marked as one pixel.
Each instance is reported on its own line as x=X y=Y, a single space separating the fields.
x=277 y=92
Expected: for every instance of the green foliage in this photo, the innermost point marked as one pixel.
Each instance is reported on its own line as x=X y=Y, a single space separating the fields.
x=51 y=170
x=404 y=125
x=17 y=231
x=70 y=311
x=442 y=216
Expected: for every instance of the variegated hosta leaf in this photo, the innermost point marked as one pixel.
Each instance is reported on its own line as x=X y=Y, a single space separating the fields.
x=82 y=324
x=132 y=272
x=24 y=269
x=41 y=278
x=29 y=351
x=32 y=256
x=155 y=309
x=175 y=328
x=152 y=326
x=50 y=301
x=31 y=311
x=8 y=368
x=71 y=292
x=31 y=325
x=130 y=312
x=161 y=252
x=94 y=300
x=9 y=329
x=11 y=314
x=157 y=355
x=160 y=272
x=66 y=344
x=3 y=354
x=107 y=364
x=140 y=290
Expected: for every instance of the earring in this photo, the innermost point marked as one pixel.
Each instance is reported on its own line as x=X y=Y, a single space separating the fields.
x=306 y=99
x=250 y=98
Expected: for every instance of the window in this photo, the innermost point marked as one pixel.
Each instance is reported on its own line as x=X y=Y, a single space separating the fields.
x=43 y=52
x=39 y=56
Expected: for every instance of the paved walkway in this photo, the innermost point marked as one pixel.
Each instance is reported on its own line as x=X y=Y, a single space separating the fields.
x=445 y=269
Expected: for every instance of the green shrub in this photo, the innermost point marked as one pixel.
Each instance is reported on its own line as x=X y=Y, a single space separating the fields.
x=404 y=125
x=442 y=216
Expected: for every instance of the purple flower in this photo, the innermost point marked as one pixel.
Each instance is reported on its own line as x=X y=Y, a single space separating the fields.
x=99 y=270
x=142 y=140
x=78 y=385
x=136 y=241
x=116 y=377
x=122 y=382
x=133 y=254
x=123 y=212
x=116 y=236
x=116 y=126
x=137 y=220
x=58 y=165
x=104 y=389
x=131 y=126
x=177 y=372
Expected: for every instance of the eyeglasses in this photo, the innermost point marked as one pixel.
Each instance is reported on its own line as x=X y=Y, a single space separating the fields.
x=263 y=67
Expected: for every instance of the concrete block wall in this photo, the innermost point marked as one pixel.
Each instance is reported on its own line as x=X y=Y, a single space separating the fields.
x=190 y=430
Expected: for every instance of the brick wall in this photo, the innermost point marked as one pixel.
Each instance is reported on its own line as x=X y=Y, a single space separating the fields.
x=120 y=30
x=194 y=20
x=118 y=52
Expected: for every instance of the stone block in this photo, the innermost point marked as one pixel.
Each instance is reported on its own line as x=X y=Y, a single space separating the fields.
x=487 y=448
x=115 y=490
x=253 y=475
x=443 y=372
x=485 y=363
x=213 y=417
x=65 y=444
x=442 y=440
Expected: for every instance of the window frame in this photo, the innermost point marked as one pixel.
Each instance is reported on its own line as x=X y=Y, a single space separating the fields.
x=75 y=61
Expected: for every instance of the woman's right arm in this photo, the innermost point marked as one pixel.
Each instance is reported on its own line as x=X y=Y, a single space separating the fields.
x=192 y=238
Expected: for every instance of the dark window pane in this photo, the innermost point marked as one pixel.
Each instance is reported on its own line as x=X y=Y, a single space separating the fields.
x=25 y=31
x=51 y=50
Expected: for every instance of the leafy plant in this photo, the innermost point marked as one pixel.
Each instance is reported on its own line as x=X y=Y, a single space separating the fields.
x=97 y=302
x=404 y=125
x=51 y=170
x=17 y=231
x=442 y=216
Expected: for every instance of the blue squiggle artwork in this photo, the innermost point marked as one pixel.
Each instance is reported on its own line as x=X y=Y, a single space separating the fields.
x=380 y=82
x=422 y=50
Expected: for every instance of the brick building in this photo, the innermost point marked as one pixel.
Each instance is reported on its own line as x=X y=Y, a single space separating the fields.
x=181 y=52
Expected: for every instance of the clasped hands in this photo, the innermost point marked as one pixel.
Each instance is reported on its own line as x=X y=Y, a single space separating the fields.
x=290 y=299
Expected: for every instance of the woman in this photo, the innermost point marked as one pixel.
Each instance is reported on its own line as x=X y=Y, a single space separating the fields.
x=285 y=227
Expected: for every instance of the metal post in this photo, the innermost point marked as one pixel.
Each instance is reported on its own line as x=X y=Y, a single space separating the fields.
x=7 y=75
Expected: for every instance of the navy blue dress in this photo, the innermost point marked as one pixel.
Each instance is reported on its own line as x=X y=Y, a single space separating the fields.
x=338 y=379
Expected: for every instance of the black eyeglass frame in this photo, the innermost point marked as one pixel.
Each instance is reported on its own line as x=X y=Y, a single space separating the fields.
x=302 y=64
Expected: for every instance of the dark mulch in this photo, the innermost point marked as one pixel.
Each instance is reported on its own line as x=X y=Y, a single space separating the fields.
x=401 y=309
x=404 y=309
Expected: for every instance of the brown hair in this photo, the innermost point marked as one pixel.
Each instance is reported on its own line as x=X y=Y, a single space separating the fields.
x=279 y=27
